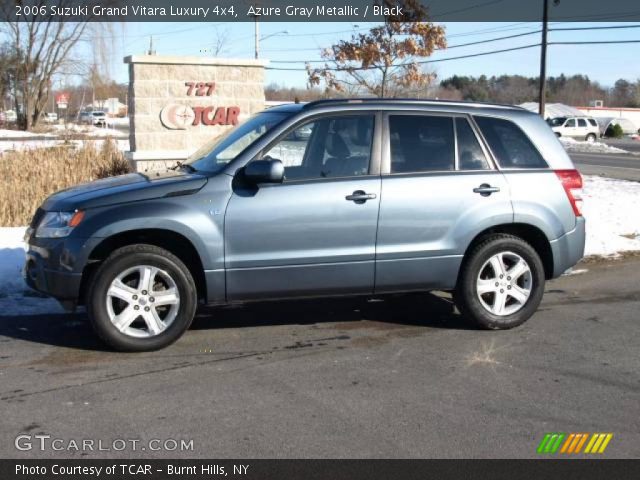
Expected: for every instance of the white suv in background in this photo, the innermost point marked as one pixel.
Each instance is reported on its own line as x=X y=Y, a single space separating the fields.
x=96 y=117
x=581 y=128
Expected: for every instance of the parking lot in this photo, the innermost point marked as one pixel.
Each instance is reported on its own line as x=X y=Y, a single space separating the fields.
x=399 y=377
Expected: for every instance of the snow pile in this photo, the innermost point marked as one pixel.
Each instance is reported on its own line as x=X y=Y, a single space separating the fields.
x=571 y=145
x=20 y=134
x=613 y=226
x=89 y=130
x=7 y=145
x=613 y=220
x=121 y=122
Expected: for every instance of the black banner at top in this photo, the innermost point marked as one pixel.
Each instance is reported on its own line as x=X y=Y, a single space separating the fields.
x=352 y=11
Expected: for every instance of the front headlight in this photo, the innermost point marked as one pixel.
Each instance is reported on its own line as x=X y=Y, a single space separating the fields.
x=58 y=224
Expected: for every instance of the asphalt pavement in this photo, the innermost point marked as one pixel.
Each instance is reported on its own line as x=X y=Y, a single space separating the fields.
x=394 y=378
x=620 y=166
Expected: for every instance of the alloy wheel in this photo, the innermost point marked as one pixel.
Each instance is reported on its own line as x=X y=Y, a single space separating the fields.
x=504 y=283
x=142 y=301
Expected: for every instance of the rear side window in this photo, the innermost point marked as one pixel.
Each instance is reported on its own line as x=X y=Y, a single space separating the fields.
x=470 y=154
x=421 y=143
x=511 y=147
x=582 y=122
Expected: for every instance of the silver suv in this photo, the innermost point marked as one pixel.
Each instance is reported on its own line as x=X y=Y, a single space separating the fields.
x=336 y=197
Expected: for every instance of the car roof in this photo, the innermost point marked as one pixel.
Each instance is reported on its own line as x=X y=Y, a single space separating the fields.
x=343 y=104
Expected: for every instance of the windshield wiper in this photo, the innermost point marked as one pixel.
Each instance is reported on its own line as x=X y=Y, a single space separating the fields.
x=185 y=166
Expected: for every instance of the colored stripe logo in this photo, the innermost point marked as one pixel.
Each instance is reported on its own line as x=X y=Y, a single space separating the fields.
x=573 y=443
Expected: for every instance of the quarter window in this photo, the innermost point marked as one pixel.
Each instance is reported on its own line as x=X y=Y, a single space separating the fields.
x=510 y=146
x=326 y=148
x=421 y=143
x=470 y=154
x=593 y=122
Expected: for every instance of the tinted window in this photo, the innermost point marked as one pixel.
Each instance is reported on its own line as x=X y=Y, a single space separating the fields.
x=326 y=148
x=593 y=122
x=582 y=122
x=571 y=123
x=511 y=147
x=421 y=143
x=470 y=154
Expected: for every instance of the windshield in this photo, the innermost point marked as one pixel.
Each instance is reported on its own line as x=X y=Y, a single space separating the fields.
x=217 y=153
x=556 y=122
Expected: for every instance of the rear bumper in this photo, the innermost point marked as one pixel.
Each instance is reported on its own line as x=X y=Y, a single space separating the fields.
x=568 y=249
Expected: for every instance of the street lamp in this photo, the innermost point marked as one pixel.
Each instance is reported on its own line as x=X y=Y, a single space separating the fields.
x=258 y=38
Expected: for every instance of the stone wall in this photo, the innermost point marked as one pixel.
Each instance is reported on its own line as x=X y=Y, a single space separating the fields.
x=175 y=102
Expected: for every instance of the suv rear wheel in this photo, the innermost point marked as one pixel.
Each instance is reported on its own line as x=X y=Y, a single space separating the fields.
x=501 y=283
x=591 y=138
x=142 y=298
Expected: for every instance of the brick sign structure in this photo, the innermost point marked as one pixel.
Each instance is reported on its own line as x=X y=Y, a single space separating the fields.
x=178 y=103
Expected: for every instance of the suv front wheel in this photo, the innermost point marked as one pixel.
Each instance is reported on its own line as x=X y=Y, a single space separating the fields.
x=142 y=298
x=501 y=283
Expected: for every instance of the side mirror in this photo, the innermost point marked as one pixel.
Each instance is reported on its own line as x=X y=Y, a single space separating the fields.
x=268 y=170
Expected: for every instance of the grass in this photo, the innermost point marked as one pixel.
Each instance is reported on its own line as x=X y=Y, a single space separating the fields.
x=28 y=177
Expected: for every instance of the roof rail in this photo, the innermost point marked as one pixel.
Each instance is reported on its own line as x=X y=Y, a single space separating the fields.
x=404 y=101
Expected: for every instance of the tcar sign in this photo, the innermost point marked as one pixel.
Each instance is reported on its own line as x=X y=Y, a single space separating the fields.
x=179 y=117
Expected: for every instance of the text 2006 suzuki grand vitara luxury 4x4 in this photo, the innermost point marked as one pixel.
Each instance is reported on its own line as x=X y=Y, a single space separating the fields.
x=336 y=197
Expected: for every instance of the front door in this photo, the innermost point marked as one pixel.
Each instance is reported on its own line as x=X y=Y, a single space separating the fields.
x=315 y=233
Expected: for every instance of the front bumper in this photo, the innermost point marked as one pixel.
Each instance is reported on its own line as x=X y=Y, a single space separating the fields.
x=64 y=286
x=55 y=266
x=569 y=248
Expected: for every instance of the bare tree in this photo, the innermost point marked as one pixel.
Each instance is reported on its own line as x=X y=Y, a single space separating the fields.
x=383 y=61
x=42 y=46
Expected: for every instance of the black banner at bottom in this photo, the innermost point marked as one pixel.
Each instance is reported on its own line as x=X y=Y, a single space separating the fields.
x=319 y=469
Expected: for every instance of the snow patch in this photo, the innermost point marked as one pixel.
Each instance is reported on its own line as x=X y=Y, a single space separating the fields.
x=15 y=297
x=613 y=222
x=571 y=145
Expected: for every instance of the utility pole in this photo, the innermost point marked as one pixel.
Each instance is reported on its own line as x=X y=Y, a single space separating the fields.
x=257 y=36
x=543 y=59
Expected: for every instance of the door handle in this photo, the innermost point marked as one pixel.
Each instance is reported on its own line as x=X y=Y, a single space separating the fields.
x=360 y=196
x=485 y=189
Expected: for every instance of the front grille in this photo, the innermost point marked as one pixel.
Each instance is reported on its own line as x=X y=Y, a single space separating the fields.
x=36 y=218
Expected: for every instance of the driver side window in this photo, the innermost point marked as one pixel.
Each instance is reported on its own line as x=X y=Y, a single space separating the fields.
x=330 y=147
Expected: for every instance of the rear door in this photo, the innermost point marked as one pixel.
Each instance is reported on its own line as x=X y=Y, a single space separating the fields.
x=439 y=189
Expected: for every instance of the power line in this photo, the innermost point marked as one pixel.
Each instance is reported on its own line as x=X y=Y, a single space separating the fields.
x=422 y=62
x=473 y=55
x=479 y=42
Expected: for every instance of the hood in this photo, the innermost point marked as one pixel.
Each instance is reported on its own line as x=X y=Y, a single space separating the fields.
x=125 y=188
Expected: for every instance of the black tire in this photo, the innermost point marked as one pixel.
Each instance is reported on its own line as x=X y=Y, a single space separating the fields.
x=466 y=297
x=591 y=137
x=121 y=260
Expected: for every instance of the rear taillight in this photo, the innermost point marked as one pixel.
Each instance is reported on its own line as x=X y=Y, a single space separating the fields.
x=572 y=184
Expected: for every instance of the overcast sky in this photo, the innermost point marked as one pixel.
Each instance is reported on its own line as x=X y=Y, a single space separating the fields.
x=304 y=41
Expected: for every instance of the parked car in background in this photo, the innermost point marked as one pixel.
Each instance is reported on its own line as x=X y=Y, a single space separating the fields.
x=580 y=128
x=377 y=197
x=11 y=116
x=94 y=117
x=50 y=117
